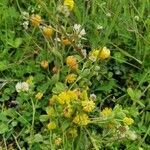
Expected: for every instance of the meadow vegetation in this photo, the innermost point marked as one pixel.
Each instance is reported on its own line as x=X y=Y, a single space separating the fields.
x=74 y=74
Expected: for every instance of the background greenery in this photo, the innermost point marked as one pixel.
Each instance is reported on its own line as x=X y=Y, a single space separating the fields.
x=121 y=25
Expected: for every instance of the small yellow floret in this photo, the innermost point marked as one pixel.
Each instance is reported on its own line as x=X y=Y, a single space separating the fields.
x=44 y=64
x=71 y=78
x=104 y=53
x=69 y=4
x=36 y=20
x=88 y=106
x=63 y=98
x=39 y=95
x=106 y=112
x=48 y=31
x=81 y=119
x=51 y=126
x=128 y=121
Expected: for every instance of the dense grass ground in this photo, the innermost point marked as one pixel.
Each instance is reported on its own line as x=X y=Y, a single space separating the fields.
x=120 y=83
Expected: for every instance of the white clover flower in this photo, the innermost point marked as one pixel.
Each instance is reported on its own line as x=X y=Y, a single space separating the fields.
x=84 y=52
x=25 y=25
x=137 y=18
x=108 y=14
x=78 y=30
x=25 y=15
x=99 y=27
x=64 y=10
x=22 y=87
x=131 y=135
x=92 y=96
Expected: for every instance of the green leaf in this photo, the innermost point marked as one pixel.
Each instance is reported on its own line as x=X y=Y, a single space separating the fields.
x=17 y=42
x=38 y=138
x=59 y=87
x=3 y=65
x=3 y=128
x=44 y=118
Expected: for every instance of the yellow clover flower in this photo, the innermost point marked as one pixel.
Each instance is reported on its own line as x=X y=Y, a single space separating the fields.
x=71 y=61
x=36 y=20
x=106 y=112
x=93 y=55
x=58 y=141
x=128 y=121
x=48 y=31
x=63 y=98
x=71 y=78
x=72 y=94
x=88 y=106
x=81 y=119
x=104 y=53
x=69 y=4
x=72 y=132
x=51 y=125
x=39 y=95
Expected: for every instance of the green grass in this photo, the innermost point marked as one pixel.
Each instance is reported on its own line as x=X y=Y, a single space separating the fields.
x=122 y=82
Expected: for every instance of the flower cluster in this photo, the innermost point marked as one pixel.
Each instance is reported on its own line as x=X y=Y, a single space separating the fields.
x=72 y=106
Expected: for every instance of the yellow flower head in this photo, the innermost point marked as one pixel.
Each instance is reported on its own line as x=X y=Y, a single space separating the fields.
x=51 y=125
x=44 y=64
x=128 y=121
x=55 y=69
x=81 y=119
x=72 y=132
x=104 y=53
x=69 y=4
x=66 y=42
x=72 y=94
x=93 y=55
x=30 y=80
x=106 y=112
x=48 y=31
x=71 y=61
x=39 y=95
x=71 y=78
x=63 y=98
x=36 y=20
x=67 y=112
x=58 y=141
x=88 y=106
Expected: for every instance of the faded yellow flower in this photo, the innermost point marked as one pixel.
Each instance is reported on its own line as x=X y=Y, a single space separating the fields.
x=51 y=125
x=70 y=78
x=44 y=64
x=72 y=132
x=48 y=31
x=128 y=121
x=81 y=119
x=36 y=20
x=88 y=106
x=71 y=61
x=69 y=4
x=67 y=111
x=66 y=42
x=39 y=95
x=106 y=112
x=104 y=53
x=58 y=141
